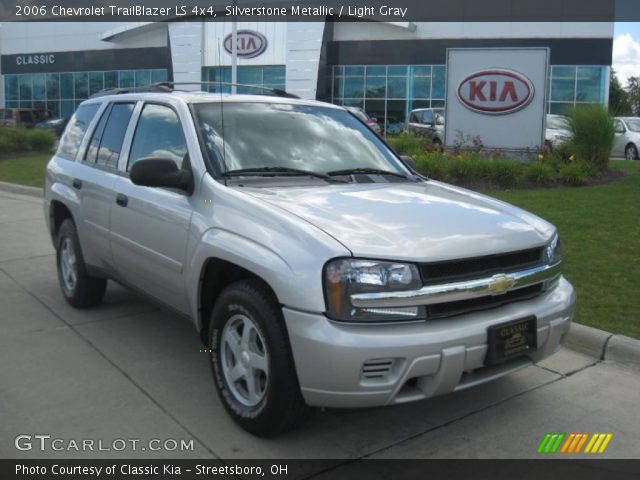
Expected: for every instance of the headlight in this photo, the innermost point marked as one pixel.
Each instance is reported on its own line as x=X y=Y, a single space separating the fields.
x=553 y=251
x=344 y=277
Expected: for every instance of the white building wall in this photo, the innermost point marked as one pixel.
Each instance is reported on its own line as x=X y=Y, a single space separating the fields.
x=304 y=42
x=186 y=39
x=36 y=37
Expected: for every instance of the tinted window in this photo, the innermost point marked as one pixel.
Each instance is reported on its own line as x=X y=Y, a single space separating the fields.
x=427 y=117
x=92 y=151
x=158 y=135
x=113 y=136
x=70 y=142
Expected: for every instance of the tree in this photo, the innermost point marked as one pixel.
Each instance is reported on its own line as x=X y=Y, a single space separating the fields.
x=633 y=91
x=619 y=102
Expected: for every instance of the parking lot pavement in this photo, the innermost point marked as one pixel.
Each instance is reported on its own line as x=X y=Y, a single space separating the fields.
x=132 y=370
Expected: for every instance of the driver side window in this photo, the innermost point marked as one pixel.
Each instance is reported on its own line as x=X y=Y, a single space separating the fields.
x=158 y=134
x=619 y=126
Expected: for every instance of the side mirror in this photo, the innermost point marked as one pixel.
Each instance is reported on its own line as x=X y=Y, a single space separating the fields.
x=409 y=162
x=160 y=172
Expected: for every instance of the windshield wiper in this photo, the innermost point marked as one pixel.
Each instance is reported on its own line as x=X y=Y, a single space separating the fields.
x=373 y=171
x=277 y=170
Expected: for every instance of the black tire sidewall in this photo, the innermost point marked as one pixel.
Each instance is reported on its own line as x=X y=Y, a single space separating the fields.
x=68 y=230
x=278 y=410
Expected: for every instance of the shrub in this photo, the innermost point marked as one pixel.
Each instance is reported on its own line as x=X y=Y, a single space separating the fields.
x=24 y=140
x=405 y=144
x=506 y=173
x=41 y=139
x=593 y=135
x=540 y=173
x=575 y=173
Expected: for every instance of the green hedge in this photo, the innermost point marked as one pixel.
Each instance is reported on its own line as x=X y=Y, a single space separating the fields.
x=489 y=169
x=16 y=140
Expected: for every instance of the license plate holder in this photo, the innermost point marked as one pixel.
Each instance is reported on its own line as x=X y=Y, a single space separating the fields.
x=511 y=339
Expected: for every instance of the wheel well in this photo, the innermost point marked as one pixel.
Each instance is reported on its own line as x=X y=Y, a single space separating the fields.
x=58 y=214
x=630 y=144
x=216 y=275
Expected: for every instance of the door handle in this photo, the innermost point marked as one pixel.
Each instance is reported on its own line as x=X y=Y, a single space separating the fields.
x=122 y=199
x=77 y=183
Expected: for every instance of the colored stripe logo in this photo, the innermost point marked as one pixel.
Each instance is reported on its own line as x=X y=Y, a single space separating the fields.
x=571 y=443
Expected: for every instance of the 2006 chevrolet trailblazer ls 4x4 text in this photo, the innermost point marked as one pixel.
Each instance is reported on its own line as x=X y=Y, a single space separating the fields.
x=318 y=266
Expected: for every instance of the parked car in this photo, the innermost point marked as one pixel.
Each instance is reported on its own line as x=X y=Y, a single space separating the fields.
x=53 y=125
x=22 y=117
x=427 y=123
x=320 y=269
x=371 y=122
x=557 y=131
x=627 y=137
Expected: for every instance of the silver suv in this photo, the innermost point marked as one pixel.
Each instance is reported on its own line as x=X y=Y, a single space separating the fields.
x=316 y=264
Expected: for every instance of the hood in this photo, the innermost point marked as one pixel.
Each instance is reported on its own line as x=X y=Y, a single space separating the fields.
x=427 y=221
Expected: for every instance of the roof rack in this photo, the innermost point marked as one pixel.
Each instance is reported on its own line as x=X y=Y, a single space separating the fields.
x=168 y=87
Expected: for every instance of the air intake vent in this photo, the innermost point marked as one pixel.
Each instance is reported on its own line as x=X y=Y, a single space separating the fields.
x=377 y=369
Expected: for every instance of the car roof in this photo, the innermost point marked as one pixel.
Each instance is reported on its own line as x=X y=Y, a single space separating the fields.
x=207 y=97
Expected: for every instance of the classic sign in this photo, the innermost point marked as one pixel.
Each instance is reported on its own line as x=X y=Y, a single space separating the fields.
x=495 y=91
x=250 y=44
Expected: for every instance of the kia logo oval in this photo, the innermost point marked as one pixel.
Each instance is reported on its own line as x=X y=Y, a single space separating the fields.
x=495 y=91
x=250 y=43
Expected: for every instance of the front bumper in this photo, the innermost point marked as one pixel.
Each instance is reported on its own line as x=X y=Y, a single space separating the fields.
x=423 y=359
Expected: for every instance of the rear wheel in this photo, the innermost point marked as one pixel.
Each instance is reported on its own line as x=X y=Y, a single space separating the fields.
x=631 y=152
x=251 y=359
x=78 y=288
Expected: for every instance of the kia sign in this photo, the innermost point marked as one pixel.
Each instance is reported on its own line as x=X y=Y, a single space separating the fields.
x=497 y=95
x=495 y=91
x=250 y=44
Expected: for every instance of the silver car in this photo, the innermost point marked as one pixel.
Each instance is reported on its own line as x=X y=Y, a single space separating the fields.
x=627 y=137
x=427 y=123
x=320 y=269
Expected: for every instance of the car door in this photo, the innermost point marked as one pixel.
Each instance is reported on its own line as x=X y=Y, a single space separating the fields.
x=619 y=140
x=96 y=181
x=149 y=226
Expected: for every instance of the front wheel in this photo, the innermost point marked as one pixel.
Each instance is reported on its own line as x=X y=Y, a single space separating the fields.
x=252 y=363
x=631 y=152
x=79 y=288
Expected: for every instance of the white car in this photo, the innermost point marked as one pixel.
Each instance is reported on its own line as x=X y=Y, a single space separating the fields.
x=557 y=132
x=627 y=137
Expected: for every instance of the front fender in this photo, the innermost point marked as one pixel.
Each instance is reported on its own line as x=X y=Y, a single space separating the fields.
x=293 y=287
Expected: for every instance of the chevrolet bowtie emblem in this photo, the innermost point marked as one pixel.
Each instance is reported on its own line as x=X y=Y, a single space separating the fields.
x=500 y=284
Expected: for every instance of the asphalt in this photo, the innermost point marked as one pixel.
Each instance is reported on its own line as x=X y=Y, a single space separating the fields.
x=130 y=369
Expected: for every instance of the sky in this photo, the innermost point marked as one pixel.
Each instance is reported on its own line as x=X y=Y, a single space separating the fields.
x=626 y=50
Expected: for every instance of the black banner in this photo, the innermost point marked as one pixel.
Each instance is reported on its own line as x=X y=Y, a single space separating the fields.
x=322 y=469
x=318 y=10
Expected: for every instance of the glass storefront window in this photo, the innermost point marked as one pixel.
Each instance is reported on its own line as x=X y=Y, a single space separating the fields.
x=61 y=93
x=271 y=76
x=392 y=91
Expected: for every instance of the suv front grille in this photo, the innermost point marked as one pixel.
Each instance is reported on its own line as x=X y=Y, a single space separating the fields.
x=477 y=267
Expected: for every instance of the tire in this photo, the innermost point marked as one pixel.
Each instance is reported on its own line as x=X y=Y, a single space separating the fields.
x=249 y=345
x=78 y=288
x=631 y=152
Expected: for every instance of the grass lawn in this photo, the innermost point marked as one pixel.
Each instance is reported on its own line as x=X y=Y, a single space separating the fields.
x=600 y=230
x=27 y=170
x=599 y=226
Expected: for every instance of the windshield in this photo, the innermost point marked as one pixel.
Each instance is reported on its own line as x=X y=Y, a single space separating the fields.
x=557 y=123
x=634 y=125
x=312 y=138
x=360 y=114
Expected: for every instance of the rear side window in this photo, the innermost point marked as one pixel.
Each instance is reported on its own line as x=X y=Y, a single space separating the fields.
x=106 y=143
x=158 y=135
x=73 y=135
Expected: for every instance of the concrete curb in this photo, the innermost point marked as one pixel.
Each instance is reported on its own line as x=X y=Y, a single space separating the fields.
x=21 y=189
x=624 y=350
x=603 y=345
x=588 y=340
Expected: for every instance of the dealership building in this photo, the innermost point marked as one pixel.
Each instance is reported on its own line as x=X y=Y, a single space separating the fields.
x=387 y=68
